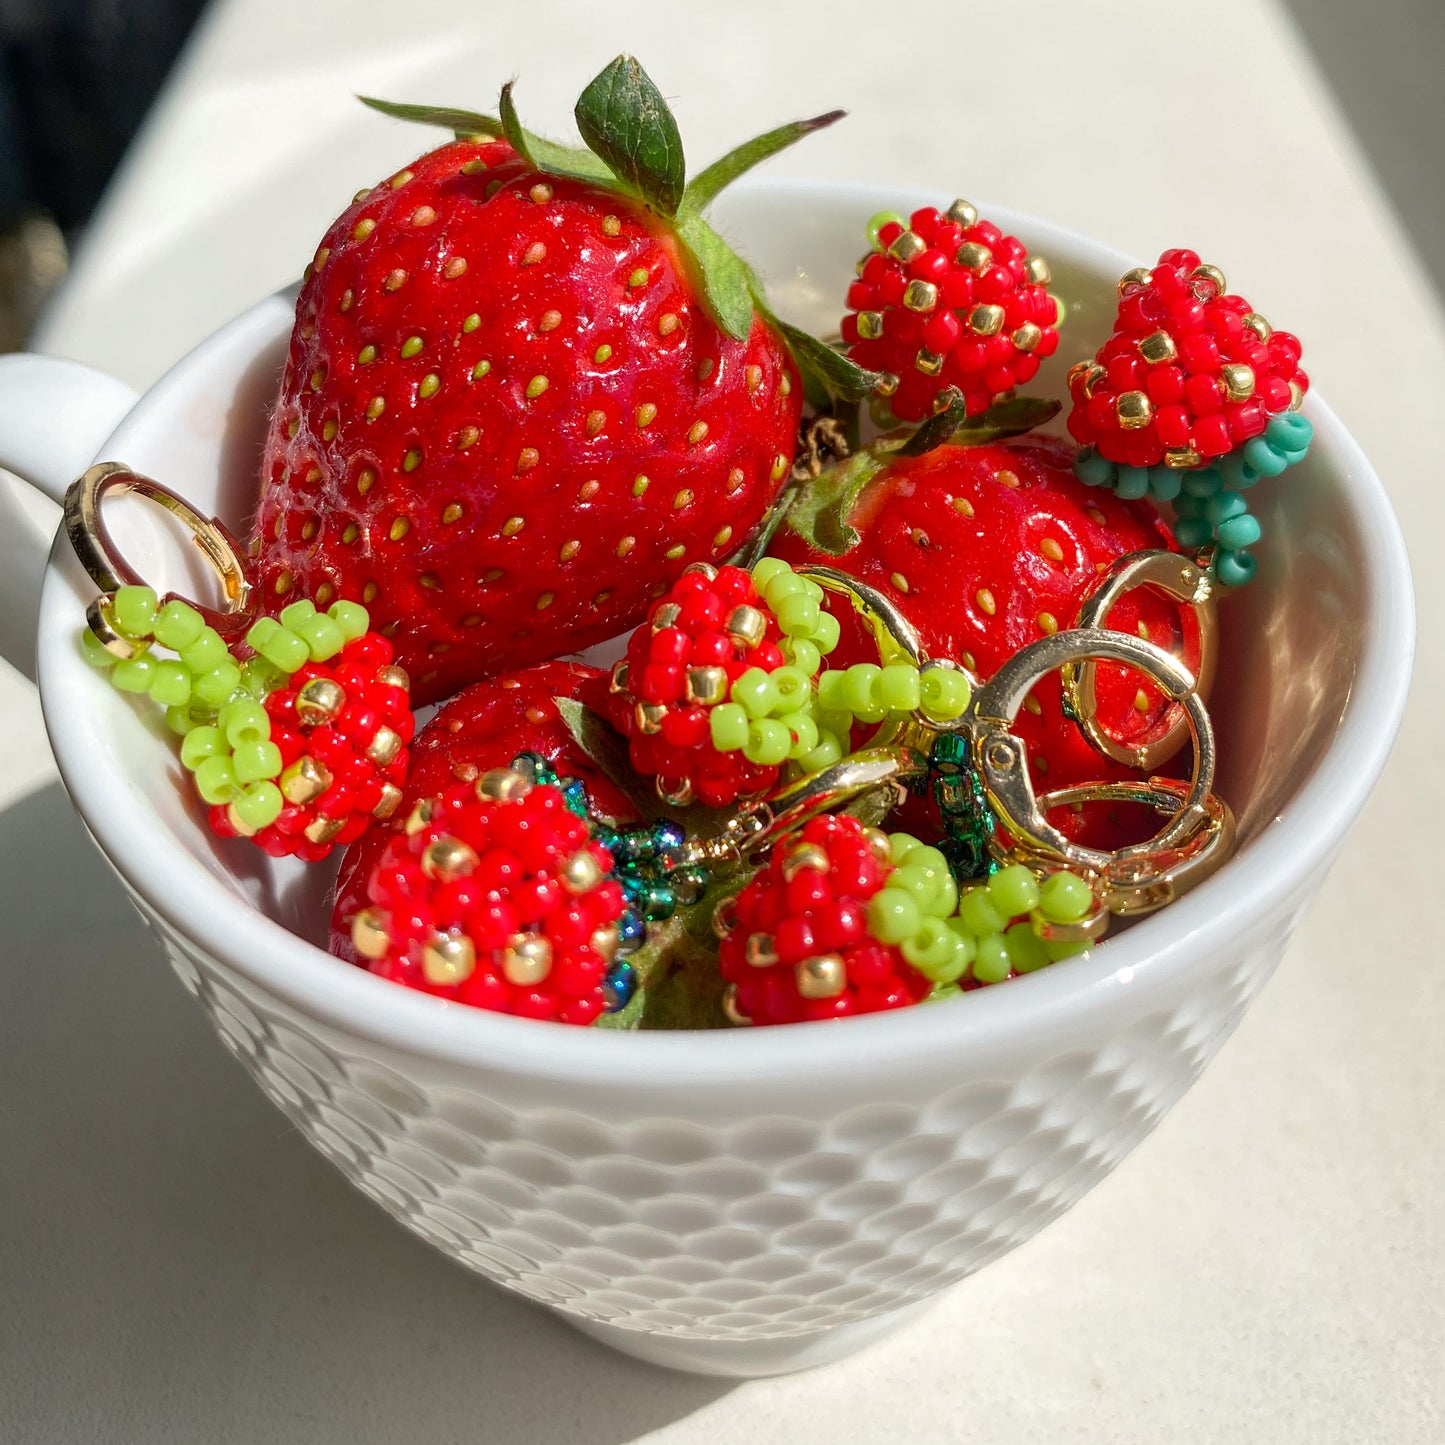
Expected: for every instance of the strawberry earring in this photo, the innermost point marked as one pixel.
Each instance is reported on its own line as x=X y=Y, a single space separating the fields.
x=294 y=729
x=1191 y=401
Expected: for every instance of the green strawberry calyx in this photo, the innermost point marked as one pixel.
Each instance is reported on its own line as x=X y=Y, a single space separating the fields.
x=820 y=510
x=632 y=146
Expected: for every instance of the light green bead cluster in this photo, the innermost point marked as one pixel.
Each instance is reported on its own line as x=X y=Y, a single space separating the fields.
x=868 y=693
x=1001 y=923
x=912 y=910
x=212 y=701
x=769 y=716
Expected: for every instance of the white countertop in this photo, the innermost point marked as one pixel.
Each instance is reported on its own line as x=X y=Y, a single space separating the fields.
x=178 y=1266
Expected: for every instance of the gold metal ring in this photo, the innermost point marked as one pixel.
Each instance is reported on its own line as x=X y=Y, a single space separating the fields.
x=90 y=537
x=1140 y=880
x=1186 y=582
x=1002 y=758
x=895 y=635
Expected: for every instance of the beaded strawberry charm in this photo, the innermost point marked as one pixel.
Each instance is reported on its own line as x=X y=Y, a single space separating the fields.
x=294 y=732
x=1192 y=400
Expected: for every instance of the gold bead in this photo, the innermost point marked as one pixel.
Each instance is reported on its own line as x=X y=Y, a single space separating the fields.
x=920 y=296
x=1257 y=324
x=731 y=1011
x=823 y=976
x=389 y=802
x=1157 y=348
x=760 y=950
x=801 y=856
x=1134 y=410
x=606 y=942
x=319 y=701
x=746 y=626
x=323 y=830
x=1296 y=396
x=906 y=247
x=581 y=872
x=986 y=320
x=649 y=716
x=384 y=746
x=618 y=681
x=703 y=569
x=304 y=780
x=707 y=685
x=886 y=384
x=725 y=917
x=502 y=785
x=1027 y=336
x=420 y=816
x=1181 y=458
x=928 y=363
x=973 y=256
x=666 y=616
x=870 y=325
x=527 y=959
x=1139 y=276
x=1036 y=270
x=945 y=398
x=1238 y=380
x=394 y=676
x=963 y=214
x=448 y=958
x=368 y=934
x=242 y=827
x=1212 y=275
x=881 y=848
x=447 y=858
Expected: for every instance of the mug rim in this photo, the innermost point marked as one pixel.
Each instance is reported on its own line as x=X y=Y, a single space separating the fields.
x=1300 y=840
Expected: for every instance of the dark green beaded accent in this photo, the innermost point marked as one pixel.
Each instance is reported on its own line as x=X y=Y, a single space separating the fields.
x=968 y=821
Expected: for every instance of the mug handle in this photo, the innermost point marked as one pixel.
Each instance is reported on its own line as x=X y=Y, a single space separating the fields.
x=54 y=417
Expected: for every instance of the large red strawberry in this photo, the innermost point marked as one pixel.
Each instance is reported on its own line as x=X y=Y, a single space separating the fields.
x=528 y=384
x=986 y=549
x=483 y=727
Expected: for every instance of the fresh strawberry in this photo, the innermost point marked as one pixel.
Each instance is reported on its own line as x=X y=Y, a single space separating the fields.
x=985 y=549
x=528 y=384
x=947 y=301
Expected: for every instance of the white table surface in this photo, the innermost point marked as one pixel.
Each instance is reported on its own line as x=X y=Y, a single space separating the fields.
x=177 y=1265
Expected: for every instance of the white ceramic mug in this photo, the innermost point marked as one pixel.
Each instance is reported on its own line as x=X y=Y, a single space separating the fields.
x=752 y=1201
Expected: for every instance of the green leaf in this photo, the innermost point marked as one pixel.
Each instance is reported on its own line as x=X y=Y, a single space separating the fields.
x=939 y=427
x=704 y=188
x=624 y=119
x=547 y=156
x=461 y=123
x=842 y=378
x=1010 y=418
x=723 y=279
x=608 y=749
x=822 y=509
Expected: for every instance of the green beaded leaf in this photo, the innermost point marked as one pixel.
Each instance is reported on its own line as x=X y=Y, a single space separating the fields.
x=625 y=120
x=548 y=156
x=462 y=123
x=704 y=188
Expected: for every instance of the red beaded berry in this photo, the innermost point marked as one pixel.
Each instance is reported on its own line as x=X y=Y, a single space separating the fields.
x=1190 y=373
x=715 y=691
x=495 y=896
x=341 y=728
x=797 y=943
x=949 y=301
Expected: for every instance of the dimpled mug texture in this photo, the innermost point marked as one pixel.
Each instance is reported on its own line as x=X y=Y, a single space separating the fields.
x=750 y=1201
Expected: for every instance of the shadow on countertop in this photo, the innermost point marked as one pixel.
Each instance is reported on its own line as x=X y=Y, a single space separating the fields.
x=180 y=1266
